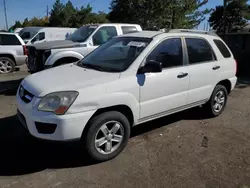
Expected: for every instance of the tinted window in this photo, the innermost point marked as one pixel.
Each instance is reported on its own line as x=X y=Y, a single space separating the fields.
x=9 y=40
x=223 y=49
x=41 y=36
x=199 y=51
x=128 y=29
x=169 y=53
x=104 y=34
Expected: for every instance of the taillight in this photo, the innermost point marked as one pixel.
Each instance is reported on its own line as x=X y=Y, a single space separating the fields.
x=236 y=64
x=25 y=51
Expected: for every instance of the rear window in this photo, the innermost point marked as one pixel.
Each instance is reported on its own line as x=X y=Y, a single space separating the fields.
x=9 y=40
x=223 y=49
x=128 y=29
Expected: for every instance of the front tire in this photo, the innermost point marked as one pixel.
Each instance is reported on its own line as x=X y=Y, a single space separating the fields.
x=217 y=103
x=106 y=136
x=6 y=65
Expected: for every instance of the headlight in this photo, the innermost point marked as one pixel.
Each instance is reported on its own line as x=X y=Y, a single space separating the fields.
x=58 y=102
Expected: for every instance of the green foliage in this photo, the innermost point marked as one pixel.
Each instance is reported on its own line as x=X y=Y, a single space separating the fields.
x=65 y=15
x=57 y=14
x=237 y=14
x=160 y=13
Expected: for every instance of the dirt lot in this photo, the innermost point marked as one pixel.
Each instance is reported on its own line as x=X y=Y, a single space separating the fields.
x=182 y=150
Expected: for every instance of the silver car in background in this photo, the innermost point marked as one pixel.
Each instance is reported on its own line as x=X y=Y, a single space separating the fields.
x=13 y=52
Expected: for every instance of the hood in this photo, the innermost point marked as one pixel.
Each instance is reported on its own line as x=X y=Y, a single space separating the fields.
x=57 y=44
x=64 y=78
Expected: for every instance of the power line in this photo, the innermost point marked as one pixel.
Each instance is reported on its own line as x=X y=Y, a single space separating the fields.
x=5 y=12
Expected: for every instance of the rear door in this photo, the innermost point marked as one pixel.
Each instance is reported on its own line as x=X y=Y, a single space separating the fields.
x=203 y=69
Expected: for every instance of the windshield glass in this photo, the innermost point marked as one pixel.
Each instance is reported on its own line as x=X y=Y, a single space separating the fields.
x=28 y=35
x=116 y=55
x=81 y=34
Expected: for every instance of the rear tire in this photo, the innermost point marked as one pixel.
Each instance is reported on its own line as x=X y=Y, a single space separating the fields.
x=6 y=65
x=106 y=135
x=217 y=102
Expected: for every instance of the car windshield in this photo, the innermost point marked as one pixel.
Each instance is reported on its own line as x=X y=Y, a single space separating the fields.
x=28 y=35
x=81 y=34
x=116 y=55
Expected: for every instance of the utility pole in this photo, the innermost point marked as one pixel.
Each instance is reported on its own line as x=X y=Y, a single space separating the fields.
x=5 y=12
x=47 y=11
x=224 y=16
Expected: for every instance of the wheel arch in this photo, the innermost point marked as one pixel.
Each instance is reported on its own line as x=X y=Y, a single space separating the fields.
x=66 y=60
x=9 y=56
x=58 y=56
x=227 y=84
x=124 y=109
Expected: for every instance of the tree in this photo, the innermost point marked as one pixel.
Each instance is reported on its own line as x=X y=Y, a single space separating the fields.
x=57 y=14
x=237 y=14
x=160 y=13
x=26 y=22
x=17 y=24
x=68 y=13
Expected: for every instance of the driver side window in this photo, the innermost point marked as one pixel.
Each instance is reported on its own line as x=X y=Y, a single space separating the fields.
x=169 y=53
x=39 y=37
x=103 y=35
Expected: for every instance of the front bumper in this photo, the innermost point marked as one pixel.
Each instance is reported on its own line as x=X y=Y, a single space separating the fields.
x=63 y=128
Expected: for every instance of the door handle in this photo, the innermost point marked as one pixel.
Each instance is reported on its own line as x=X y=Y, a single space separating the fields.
x=216 y=67
x=182 y=75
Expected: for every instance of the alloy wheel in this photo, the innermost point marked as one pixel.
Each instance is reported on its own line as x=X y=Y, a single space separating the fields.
x=109 y=137
x=219 y=101
x=5 y=66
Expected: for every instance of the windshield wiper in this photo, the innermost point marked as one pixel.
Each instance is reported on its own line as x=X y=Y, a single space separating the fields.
x=91 y=66
x=97 y=67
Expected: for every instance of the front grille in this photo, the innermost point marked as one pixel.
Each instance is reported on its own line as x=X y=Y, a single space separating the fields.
x=37 y=58
x=25 y=95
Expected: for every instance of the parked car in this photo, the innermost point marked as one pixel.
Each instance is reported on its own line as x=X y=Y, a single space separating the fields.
x=17 y=30
x=13 y=52
x=33 y=35
x=131 y=79
x=79 y=44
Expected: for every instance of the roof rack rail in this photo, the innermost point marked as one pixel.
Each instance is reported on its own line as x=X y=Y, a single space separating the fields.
x=192 y=31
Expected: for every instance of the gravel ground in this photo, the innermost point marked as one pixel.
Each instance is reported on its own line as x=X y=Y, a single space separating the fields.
x=181 y=150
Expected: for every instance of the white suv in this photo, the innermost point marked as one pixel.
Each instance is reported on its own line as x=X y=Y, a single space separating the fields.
x=13 y=52
x=129 y=80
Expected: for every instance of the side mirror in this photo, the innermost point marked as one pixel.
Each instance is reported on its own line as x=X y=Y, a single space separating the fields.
x=151 y=66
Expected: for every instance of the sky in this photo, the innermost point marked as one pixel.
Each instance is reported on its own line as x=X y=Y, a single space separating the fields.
x=20 y=9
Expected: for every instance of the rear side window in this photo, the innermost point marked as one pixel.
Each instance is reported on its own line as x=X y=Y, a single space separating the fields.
x=199 y=51
x=10 y=40
x=128 y=29
x=223 y=49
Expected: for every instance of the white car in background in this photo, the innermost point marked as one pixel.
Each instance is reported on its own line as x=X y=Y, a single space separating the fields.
x=131 y=79
x=83 y=41
x=34 y=35
x=13 y=52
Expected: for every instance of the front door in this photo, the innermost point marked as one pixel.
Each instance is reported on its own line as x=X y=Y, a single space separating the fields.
x=166 y=91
